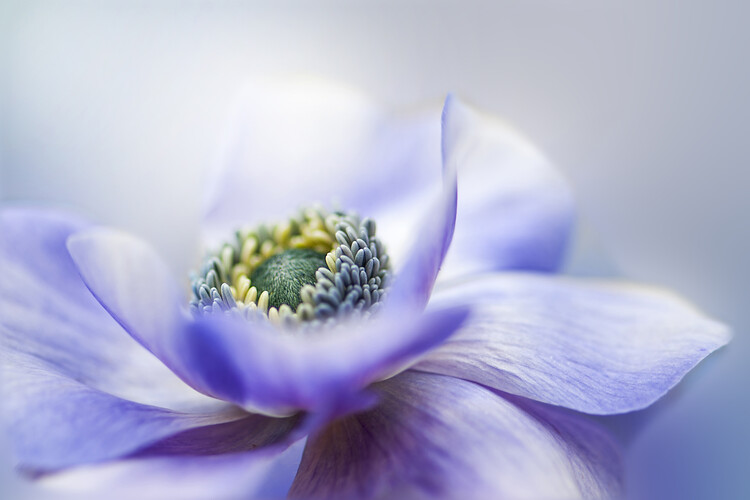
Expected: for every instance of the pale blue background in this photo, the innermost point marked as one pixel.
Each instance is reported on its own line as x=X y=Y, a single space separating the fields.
x=114 y=109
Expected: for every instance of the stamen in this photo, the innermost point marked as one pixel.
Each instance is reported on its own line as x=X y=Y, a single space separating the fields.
x=311 y=268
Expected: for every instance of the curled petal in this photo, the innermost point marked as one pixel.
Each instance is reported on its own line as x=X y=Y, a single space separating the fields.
x=76 y=388
x=134 y=285
x=440 y=437
x=595 y=347
x=424 y=258
x=514 y=210
x=50 y=318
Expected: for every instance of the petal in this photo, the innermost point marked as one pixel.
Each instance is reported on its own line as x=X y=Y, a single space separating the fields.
x=233 y=475
x=324 y=372
x=515 y=211
x=48 y=316
x=299 y=141
x=591 y=346
x=55 y=422
x=251 y=363
x=441 y=437
x=416 y=277
x=133 y=284
x=245 y=434
x=65 y=361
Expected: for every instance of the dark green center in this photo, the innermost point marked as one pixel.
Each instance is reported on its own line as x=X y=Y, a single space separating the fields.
x=283 y=275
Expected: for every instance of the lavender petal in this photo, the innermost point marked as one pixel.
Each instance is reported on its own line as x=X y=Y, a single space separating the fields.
x=595 y=347
x=440 y=437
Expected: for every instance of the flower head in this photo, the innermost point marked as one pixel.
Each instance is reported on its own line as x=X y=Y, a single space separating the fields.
x=324 y=325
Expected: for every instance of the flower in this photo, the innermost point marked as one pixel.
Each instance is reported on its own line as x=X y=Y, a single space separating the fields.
x=475 y=389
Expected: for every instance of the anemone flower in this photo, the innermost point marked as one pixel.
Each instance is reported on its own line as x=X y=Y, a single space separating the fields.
x=329 y=327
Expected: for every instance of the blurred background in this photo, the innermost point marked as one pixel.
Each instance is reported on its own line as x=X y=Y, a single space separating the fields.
x=114 y=109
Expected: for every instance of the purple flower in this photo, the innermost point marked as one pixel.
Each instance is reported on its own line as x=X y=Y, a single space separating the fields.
x=473 y=385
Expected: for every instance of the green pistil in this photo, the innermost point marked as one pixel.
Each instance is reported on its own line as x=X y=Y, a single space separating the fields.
x=312 y=268
x=283 y=275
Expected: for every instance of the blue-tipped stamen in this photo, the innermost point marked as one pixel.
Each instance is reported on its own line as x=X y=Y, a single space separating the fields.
x=312 y=268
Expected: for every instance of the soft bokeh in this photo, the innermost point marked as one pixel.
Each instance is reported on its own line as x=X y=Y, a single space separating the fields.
x=115 y=109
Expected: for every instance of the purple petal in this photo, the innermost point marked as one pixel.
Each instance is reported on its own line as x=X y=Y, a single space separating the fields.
x=248 y=433
x=441 y=437
x=515 y=211
x=595 y=347
x=134 y=285
x=416 y=276
x=66 y=365
x=267 y=370
x=47 y=314
x=232 y=475
x=55 y=422
x=295 y=142
x=251 y=363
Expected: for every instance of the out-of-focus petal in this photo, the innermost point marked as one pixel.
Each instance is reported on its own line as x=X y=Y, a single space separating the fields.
x=135 y=286
x=440 y=437
x=65 y=361
x=595 y=347
x=514 y=210
x=227 y=476
x=54 y=422
x=299 y=141
x=50 y=319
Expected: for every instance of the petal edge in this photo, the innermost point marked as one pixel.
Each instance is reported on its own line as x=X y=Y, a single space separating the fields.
x=595 y=347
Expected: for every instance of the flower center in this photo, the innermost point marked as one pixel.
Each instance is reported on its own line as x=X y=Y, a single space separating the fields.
x=283 y=275
x=313 y=267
